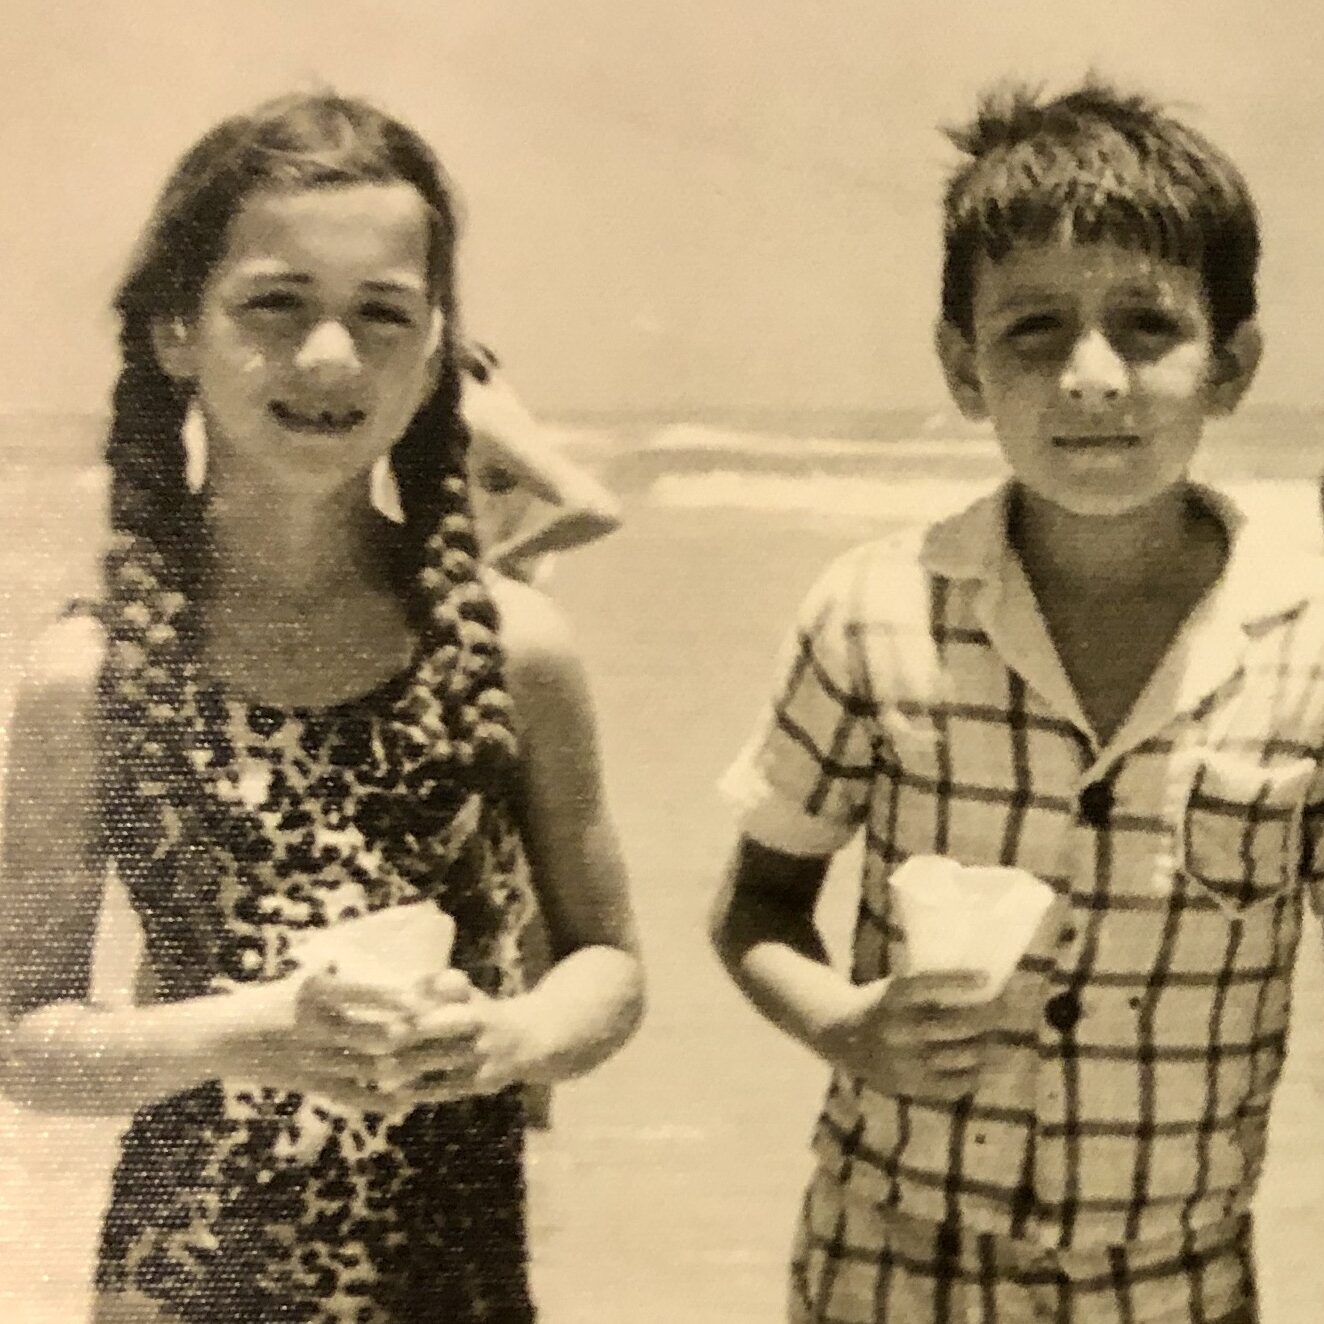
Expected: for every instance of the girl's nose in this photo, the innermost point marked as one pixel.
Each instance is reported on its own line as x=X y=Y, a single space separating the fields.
x=1095 y=374
x=328 y=346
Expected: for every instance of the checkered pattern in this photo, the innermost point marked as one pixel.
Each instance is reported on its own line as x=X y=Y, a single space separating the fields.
x=921 y=699
x=854 y=1264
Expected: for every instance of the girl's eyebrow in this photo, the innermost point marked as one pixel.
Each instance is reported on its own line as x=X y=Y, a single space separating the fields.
x=402 y=282
x=396 y=283
x=271 y=269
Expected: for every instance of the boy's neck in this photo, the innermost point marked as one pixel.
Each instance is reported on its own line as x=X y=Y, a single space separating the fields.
x=1092 y=556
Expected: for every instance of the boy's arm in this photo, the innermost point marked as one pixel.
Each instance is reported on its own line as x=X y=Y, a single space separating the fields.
x=763 y=930
x=925 y=1036
x=802 y=786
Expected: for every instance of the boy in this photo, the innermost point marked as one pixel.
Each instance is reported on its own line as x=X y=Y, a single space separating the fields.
x=1089 y=675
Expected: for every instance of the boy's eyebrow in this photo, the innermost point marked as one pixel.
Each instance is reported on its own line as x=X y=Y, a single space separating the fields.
x=1026 y=299
x=1038 y=296
x=1147 y=290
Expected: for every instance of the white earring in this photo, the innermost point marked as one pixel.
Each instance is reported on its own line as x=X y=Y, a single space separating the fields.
x=193 y=434
x=384 y=491
x=435 y=325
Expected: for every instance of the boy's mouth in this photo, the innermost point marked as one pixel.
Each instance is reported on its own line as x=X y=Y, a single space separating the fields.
x=322 y=422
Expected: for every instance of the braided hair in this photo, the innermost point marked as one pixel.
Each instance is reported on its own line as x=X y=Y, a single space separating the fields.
x=457 y=708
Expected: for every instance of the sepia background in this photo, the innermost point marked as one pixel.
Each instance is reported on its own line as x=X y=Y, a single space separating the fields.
x=704 y=239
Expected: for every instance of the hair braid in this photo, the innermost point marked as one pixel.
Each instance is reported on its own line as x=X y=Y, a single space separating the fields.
x=149 y=498
x=438 y=572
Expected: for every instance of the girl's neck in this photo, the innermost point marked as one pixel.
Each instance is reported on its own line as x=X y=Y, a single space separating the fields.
x=279 y=549
x=1142 y=551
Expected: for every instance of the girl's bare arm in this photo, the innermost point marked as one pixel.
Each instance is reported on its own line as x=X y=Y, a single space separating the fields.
x=591 y=1000
x=58 y=1051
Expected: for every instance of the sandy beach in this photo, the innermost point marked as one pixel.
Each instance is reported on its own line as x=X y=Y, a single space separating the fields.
x=667 y=1187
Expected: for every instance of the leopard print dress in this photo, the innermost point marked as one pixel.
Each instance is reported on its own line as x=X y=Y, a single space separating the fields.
x=236 y=828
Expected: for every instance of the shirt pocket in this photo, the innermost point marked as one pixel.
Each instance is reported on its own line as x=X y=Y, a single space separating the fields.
x=1240 y=832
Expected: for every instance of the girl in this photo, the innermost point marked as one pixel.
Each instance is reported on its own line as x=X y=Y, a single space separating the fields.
x=287 y=714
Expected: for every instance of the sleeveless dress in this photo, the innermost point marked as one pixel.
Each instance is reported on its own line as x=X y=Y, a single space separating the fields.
x=234 y=828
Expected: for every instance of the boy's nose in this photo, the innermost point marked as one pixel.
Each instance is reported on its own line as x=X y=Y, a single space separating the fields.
x=1094 y=374
x=328 y=346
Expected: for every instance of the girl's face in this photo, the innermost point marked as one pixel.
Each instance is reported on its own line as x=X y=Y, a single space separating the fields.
x=316 y=338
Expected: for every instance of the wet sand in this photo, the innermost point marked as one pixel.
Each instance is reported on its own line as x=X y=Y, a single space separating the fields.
x=667 y=1187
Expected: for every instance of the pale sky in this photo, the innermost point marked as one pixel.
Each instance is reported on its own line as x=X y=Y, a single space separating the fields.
x=671 y=204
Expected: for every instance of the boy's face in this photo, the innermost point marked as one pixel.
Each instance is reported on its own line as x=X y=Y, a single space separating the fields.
x=1097 y=368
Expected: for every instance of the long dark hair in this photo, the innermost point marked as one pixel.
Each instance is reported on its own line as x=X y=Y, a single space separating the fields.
x=306 y=141
x=158 y=563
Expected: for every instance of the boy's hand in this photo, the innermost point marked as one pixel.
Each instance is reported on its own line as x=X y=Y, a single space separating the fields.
x=923 y=1035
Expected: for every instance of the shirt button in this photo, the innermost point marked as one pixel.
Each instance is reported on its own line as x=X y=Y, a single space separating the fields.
x=1095 y=805
x=1066 y=935
x=1062 y=1011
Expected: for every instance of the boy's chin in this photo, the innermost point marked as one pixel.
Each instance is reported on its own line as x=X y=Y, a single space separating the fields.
x=1099 y=503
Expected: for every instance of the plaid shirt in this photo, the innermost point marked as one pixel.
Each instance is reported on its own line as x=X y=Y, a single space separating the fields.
x=921 y=698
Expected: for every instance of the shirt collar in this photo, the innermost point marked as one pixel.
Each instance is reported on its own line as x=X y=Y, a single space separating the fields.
x=1260 y=581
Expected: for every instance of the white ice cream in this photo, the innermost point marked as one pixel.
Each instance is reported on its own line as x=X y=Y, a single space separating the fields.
x=397 y=947
x=967 y=917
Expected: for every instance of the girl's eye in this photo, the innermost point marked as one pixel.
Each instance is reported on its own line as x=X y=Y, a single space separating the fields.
x=274 y=301
x=386 y=314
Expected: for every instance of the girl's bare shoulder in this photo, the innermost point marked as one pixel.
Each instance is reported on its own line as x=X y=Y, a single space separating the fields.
x=535 y=635
x=59 y=678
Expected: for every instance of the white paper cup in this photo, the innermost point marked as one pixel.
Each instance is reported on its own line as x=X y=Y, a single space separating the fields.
x=397 y=947
x=968 y=917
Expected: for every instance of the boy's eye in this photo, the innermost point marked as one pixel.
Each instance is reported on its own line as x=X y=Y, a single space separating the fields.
x=1150 y=322
x=1032 y=325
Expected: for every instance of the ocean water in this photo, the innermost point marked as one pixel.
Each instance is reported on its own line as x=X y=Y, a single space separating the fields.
x=702 y=463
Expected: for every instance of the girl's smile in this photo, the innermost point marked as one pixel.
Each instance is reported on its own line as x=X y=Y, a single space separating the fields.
x=325 y=422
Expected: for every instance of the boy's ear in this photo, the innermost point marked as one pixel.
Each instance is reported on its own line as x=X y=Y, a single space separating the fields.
x=1232 y=368
x=172 y=340
x=957 y=356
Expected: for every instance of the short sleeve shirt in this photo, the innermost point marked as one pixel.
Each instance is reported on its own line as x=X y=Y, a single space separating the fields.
x=919 y=700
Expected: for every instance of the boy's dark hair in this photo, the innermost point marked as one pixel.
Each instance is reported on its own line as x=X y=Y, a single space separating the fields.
x=1096 y=165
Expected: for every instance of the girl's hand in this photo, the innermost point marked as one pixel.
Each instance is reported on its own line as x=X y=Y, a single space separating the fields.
x=464 y=1044
x=923 y=1035
x=328 y=1036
